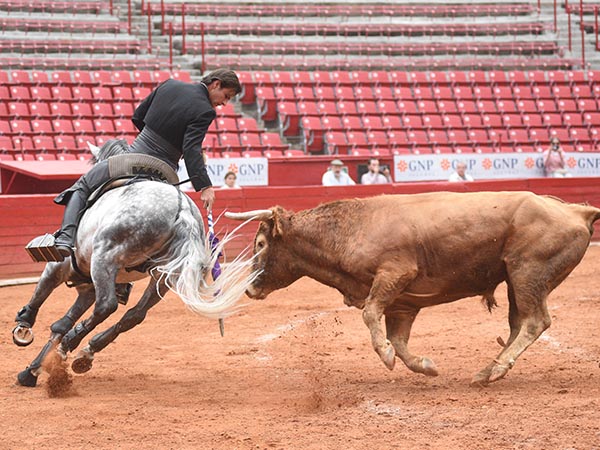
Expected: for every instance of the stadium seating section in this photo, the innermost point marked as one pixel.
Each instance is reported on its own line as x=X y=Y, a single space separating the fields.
x=387 y=78
x=50 y=115
x=403 y=112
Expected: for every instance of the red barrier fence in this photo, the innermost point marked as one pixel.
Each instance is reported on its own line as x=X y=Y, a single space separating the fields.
x=25 y=217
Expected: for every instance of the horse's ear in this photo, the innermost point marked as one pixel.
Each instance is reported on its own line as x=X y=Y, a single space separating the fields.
x=94 y=149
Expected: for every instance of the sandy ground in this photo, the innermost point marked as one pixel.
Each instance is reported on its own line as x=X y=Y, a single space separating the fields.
x=296 y=371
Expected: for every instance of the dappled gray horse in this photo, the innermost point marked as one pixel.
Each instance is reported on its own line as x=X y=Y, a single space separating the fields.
x=141 y=229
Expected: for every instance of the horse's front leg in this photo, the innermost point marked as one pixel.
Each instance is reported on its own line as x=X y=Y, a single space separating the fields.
x=54 y=274
x=85 y=299
x=104 y=273
x=152 y=295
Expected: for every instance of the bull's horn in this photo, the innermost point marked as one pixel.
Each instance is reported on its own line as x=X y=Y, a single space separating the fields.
x=259 y=214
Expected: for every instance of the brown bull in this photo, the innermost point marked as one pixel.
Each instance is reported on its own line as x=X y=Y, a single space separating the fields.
x=395 y=254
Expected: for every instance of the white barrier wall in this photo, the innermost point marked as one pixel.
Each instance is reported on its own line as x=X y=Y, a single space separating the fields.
x=488 y=166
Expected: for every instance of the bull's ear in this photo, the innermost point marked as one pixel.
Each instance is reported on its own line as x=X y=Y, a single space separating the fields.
x=279 y=219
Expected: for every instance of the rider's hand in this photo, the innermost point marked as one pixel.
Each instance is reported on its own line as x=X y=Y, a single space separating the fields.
x=208 y=197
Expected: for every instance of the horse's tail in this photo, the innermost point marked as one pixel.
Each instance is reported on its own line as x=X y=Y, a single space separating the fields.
x=189 y=261
x=110 y=148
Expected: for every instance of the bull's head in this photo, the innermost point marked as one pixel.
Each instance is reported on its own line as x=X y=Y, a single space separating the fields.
x=273 y=255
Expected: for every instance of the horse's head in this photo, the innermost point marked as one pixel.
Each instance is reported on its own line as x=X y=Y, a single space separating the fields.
x=110 y=148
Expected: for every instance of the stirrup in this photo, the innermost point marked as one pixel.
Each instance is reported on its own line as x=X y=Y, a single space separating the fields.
x=43 y=249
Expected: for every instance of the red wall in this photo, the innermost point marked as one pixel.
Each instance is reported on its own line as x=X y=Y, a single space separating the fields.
x=25 y=216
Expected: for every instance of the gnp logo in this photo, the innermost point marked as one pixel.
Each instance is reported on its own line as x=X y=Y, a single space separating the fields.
x=487 y=163
x=571 y=162
x=445 y=164
x=233 y=168
x=402 y=166
x=530 y=163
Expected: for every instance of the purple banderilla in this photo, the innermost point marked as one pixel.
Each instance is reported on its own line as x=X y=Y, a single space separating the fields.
x=216 y=269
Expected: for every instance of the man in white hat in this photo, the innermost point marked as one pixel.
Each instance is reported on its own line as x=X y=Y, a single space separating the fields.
x=335 y=176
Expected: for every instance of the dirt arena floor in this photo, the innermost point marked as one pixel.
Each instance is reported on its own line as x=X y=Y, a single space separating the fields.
x=296 y=371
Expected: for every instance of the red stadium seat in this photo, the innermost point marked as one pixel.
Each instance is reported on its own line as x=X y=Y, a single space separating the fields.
x=18 y=109
x=104 y=126
x=41 y=126
x=20 y=126
x=82 y=110
x=41 y=93
x=44 y=143
x=102 y=110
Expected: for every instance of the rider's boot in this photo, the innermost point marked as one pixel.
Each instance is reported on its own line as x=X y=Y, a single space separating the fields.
x=65 y=239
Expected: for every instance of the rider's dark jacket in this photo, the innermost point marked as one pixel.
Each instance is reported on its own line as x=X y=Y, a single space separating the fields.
x=173 y=121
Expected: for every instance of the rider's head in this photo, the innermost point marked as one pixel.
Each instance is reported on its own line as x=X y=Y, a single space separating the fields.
x=223 y=85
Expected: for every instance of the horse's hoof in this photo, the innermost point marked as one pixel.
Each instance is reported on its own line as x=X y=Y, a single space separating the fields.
x=22 y=335
x=82 y=363
x=388 y=356
x=429 y=368
x=26 y=378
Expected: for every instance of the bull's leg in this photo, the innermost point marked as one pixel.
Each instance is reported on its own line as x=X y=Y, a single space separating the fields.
x=532 y=319
x=398 y=325
x=528 y=288
x=83 y=361
x=529 y=283
x=54 y=274
x=28 y=377
x=104 y=276
x=386 y=285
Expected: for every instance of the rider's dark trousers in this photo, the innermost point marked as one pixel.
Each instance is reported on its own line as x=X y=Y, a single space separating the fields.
x=75 y=199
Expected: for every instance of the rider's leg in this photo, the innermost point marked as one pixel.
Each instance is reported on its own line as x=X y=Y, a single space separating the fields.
x=77 y=199
x=65 y=239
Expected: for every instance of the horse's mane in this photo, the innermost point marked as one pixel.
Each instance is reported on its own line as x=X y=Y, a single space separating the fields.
x=110 y=148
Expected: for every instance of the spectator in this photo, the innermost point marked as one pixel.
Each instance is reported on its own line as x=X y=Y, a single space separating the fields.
x=375 y=175
x=230 y=181
x=554 y=160
x=460 y=173
x=335 y=176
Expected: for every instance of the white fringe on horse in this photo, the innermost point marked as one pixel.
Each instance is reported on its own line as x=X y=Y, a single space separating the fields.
x=180 y=271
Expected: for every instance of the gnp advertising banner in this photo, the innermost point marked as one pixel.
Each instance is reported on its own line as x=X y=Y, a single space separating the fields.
x=486 y=166
x=249 y=171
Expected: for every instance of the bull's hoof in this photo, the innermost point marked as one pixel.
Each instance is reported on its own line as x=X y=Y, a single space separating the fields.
x=428 y=367
x=26 y=378
x=22 y=335
x=388 y=356
x=498 y=372
x=480 y=380
x=82 y=362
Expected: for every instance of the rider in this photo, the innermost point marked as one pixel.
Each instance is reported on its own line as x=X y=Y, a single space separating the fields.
x=173 y=121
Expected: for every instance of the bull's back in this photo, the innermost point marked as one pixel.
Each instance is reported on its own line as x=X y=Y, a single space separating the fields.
x=460 y=242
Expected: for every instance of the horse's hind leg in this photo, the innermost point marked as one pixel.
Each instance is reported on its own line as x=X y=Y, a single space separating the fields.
x=134 y=316
x=54 y=274
x=85 y=299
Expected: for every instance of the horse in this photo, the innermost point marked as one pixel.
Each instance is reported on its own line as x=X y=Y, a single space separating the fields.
x=138 y=230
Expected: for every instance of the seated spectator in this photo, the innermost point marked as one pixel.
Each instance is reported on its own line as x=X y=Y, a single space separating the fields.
x=230 y=181
x=460 y=173
x=375 y=175
x=554 y=160
x=335 y=176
